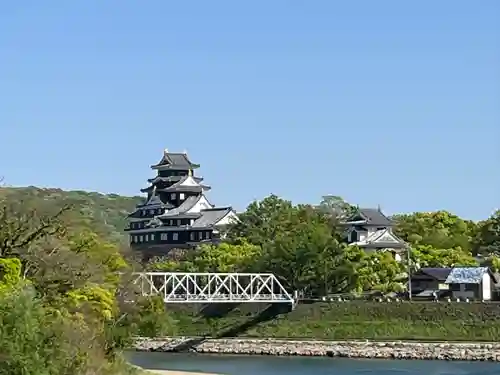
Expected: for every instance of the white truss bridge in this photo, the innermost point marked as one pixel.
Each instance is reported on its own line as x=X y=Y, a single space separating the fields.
x=179 y=287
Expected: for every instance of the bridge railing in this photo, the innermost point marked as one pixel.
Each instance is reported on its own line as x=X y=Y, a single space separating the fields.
x=200 y=287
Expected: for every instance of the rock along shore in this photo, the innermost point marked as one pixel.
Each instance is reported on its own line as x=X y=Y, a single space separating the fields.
x=350 y=349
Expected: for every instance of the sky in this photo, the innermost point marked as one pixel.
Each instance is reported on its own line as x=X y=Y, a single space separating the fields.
x=390 y=103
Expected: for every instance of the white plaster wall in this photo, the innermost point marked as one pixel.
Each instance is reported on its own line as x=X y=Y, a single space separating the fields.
x=362 y=235
x=486 y=287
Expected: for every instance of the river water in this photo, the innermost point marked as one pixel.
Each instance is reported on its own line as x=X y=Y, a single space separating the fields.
x=264 y=365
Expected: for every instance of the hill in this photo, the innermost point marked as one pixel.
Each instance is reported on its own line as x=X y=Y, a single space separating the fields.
x=104 y=214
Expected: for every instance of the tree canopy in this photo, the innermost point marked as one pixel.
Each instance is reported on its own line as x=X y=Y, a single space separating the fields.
x=305 y=247
x=59 y=288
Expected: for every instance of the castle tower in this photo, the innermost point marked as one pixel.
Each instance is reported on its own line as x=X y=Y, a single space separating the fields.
x=176 y=212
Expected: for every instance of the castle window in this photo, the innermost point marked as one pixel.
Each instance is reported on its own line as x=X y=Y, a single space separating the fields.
x=152 y=237
x=181 y=196
x=179 y=222
x=207 y=235
x=200 y=235
x=175 y=236
x=164 y=236
x=173 y=196
x=146 y=237
x=141 y=238
x=191 y=236
x=151 y=212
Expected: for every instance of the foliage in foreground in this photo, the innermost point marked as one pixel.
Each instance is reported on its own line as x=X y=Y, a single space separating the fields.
x=59 y=307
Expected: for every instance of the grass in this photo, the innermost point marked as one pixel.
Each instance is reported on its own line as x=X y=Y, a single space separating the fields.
x=347 y=320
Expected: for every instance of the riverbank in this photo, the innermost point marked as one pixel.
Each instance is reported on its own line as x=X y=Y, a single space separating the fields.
x=348 y=349
x=334 y=321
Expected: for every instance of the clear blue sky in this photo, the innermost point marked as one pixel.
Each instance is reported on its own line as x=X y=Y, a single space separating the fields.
x=394 y=103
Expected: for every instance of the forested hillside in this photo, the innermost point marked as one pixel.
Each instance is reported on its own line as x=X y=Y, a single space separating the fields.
x=103 y=214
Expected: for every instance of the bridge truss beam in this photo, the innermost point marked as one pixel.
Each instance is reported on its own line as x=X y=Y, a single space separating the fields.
x=178 y=287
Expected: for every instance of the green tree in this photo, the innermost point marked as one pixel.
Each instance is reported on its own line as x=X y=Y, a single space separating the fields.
x=336 y=207
x=263 y=220
x=487 y=239
x=302 y=252
x=35 y=340
x=428 y=256
x=439 y=229
x=226 y=257
x=10 y=273
x=103 y=214
x=368 y=271
x=56 y=277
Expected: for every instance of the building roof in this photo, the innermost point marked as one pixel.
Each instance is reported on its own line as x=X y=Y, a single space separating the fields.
x=186 y=183
x=154 y=200
x=370 y=216
x=153 y=203
x=466 y=275
x=175 y=160
x=172 y=179
x=438 y=273
x=381 y=239
x=205 y=219
x=211 y=216
x=185 y=206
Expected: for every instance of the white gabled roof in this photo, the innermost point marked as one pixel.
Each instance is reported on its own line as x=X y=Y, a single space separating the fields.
x=380 y=236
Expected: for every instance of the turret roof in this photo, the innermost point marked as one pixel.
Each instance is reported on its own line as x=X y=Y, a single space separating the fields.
x=211 y=216
x=175 y=160
x=186 y=183
x=172 y=179
x=370 y=216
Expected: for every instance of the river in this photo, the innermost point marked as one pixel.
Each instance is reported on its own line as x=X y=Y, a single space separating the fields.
x=264 y=365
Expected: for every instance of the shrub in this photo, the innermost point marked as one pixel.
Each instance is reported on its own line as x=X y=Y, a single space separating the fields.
x=35 y=340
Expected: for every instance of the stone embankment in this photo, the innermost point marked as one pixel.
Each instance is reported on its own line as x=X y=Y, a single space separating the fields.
x=349 y=349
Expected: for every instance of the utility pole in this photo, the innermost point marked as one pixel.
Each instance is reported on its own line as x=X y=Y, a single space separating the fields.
x=408 y=256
